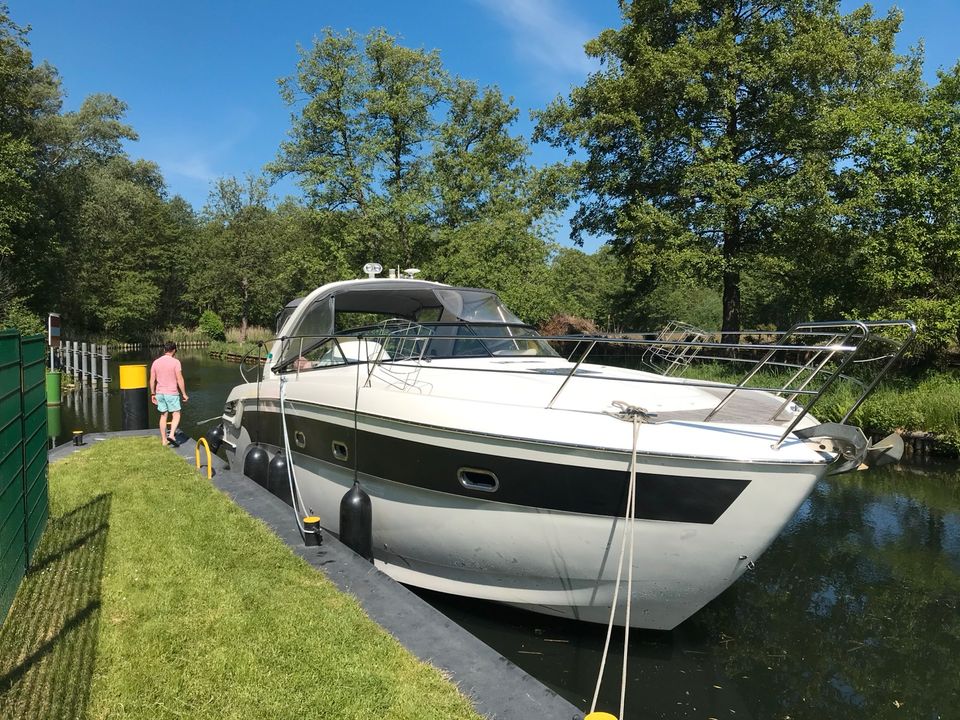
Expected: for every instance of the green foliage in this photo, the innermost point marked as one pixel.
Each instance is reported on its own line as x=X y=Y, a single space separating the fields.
x=715 y=130
x=756 y=163
x=254 y=334
x=408 y=166
x=586 y=285
x=695 y=305
x=16 y=315
x=211 y=325
x=929 y=404
x=239 y=241
x=901 y=207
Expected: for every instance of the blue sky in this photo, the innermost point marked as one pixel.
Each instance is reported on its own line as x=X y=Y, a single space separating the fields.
x=200 y=76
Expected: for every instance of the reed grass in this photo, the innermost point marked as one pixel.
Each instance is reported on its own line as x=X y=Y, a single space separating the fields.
x=178 y=334
x=234 y=343
x=255 y=333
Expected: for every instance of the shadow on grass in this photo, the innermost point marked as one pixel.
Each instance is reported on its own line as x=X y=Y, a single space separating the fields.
x=48 y=644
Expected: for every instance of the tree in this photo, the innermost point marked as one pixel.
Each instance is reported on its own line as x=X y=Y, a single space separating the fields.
x=587 y=285
x=127 y=251
x=28 y=95
x=900 y=210
x=411 y=167
x=715 y=128
x=83 y=228
x=238 y=239
x=478 y=166
x=359 y=143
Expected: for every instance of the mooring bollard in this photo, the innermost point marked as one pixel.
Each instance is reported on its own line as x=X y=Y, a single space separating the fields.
x=133 y=396
x=53 y=387
x=53 y=421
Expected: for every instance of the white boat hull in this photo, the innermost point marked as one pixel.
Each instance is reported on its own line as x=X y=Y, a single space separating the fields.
x=499 y=469
x=554 y=561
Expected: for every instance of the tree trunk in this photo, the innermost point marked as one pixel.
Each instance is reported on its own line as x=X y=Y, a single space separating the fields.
x=731 y=253
x=245 y=305
x=731 y=280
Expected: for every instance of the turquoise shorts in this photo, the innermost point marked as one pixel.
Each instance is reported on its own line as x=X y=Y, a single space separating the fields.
x=168 y=403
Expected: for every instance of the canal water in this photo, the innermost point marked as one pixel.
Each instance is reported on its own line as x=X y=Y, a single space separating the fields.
x=853 y=612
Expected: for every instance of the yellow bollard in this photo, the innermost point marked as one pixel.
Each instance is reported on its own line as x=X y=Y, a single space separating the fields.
x=133 y=397
x=311 y=534
x=196 y=456
x=600 y=715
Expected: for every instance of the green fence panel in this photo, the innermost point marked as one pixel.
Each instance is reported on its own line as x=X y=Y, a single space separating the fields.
x=33 y=351
x=12 y=513
x=23 y=457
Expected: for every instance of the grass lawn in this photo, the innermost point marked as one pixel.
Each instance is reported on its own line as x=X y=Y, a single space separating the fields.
x=153 y=596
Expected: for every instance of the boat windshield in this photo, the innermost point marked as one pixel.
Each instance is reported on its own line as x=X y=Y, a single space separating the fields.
x=444 y=321
x=476 y=306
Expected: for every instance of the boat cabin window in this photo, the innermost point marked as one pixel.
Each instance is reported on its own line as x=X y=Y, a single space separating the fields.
x=331 y=352
x=285 y=313
x=407 y=322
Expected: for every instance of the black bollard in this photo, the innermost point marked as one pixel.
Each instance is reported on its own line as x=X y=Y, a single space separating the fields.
x=133 y=396
x=215 y=437
x=356 y=522
x=255 y=465
x=277 y=481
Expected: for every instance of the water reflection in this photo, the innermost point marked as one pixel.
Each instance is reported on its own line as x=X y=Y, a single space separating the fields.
x=851 y=613
x=88 y=409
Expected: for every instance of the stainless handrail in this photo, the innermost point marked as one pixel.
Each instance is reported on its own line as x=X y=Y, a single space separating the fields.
x=912 y=334
x=837 y=345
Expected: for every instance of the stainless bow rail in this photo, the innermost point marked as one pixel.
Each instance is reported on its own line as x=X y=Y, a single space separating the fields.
x=813 y=355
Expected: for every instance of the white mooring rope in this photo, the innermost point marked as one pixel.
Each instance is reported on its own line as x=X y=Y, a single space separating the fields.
x=637 y=416
x=298 y=507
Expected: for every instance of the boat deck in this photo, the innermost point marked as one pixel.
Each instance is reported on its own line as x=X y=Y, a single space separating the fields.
x=746 y=406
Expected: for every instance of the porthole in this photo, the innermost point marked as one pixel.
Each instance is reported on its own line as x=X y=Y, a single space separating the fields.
x=340 y=451
x=477 y=479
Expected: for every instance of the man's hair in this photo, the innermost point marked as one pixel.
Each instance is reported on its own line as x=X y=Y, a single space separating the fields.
x=169 y=346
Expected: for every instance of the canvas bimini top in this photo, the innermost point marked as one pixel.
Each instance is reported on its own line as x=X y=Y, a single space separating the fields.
x=371 y=305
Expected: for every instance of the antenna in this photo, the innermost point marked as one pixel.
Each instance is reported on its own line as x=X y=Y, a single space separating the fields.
x=411 y=272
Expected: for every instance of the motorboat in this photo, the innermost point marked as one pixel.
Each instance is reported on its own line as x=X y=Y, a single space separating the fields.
x=509 y=466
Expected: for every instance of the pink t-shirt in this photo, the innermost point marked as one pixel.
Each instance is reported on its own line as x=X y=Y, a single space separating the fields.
x=165 y=369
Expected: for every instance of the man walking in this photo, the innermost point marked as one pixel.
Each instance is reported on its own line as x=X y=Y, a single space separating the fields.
x=166 y=387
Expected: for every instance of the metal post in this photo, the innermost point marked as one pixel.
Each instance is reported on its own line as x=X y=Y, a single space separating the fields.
x=94 y=405
x=76 y=361
x=69 y=357
x=106 y=369
x=105 y=399
x=84 y=364
x=94 y=348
